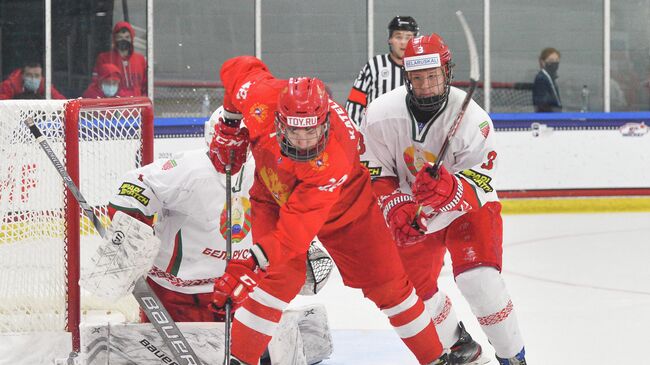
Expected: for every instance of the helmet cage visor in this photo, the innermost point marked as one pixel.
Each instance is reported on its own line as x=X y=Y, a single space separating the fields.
x=433 y=102
x=283 y=130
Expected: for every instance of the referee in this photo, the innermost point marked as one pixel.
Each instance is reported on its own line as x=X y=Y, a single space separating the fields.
x=383 y=72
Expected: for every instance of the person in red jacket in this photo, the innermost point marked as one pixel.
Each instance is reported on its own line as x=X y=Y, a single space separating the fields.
x=27 y=83
x=132 y=65
x=308 y=182
x=107 y=84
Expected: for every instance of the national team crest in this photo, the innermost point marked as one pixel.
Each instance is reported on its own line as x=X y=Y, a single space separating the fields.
x=320 y=163
x=485 y=128
x=259 y=111
x=170 y=164
x=241 y=219
x=272 y=182
x=415 y=158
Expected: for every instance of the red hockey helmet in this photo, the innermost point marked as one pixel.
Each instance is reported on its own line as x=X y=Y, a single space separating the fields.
x=425 y=52
x=302 y=119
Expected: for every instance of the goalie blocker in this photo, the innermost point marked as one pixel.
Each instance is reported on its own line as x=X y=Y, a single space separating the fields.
x=125 y=256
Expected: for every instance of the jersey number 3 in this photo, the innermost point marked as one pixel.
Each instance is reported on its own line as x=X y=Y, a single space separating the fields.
x=491 y=156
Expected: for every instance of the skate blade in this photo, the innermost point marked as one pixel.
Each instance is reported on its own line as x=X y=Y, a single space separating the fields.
x=482 y=360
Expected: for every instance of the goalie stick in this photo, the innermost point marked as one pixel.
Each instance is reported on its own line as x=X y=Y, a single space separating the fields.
x=149 y=302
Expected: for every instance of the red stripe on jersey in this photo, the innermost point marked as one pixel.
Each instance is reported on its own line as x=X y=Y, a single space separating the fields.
x=357 y=96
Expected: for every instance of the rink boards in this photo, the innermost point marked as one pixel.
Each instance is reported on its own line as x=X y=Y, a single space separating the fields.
x=555 y=162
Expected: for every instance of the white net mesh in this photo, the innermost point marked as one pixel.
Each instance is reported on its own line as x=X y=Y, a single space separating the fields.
x=33 y=251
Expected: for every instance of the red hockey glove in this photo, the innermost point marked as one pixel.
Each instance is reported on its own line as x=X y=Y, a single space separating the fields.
x=400 y=212
x=443 y=194
x=238 y=280
x=227 y=138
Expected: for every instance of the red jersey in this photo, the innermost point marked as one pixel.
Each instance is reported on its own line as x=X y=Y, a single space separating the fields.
x=133 y=68
x=328 y=192
x=13 y=88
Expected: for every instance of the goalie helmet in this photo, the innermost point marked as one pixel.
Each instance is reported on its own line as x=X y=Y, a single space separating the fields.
x=426 y=52
x=303 y=107
x=401 y=22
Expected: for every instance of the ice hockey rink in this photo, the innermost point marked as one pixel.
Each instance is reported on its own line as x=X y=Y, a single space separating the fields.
x=580 y=284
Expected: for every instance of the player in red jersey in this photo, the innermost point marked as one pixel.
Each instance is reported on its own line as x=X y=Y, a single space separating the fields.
x=308 y=182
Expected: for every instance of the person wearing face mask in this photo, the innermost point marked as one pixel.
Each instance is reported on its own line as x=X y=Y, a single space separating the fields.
x=131 y=64
x=546 y=95
x=107 y=85
x=383 y=72
x=27 y=82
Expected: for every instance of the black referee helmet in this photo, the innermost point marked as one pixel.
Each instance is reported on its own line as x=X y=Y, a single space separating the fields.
x=402 y=22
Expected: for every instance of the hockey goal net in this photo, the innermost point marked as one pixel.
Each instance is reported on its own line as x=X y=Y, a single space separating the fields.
x=43 y=234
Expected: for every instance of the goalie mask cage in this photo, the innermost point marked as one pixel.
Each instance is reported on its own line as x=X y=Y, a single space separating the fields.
x=44 y=234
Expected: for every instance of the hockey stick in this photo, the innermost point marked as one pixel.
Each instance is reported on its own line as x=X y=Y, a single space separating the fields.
x=228 y=315
x=474 y=75
x=149 y=302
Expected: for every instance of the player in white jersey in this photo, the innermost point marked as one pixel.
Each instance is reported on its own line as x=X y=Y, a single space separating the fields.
x=188 y=196
x=383 y=72
x=403 y=131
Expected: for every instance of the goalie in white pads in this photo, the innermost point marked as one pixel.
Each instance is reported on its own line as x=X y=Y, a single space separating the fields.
x=187 y=195
x=403 y=130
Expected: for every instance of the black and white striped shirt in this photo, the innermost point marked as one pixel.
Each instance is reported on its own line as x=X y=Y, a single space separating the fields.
x=378 y=76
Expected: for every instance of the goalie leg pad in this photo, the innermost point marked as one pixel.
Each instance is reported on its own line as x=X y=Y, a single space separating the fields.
x=126 y=254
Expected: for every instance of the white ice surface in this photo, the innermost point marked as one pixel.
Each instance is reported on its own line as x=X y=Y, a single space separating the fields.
x=580 y=284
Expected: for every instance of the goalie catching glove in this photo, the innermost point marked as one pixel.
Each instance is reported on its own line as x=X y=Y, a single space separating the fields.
x=319 y=268
x=403 y=217
x=126 y=255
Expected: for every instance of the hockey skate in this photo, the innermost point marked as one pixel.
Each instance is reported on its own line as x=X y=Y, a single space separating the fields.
x=236 y=361
x=442 y=360
x=466 y=351
x=519 y=359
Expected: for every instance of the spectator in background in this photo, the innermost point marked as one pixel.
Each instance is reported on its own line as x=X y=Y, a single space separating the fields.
x=546 y=95
x=27 y=83
x=107 y=83
x=132 y=65
x=383 y=72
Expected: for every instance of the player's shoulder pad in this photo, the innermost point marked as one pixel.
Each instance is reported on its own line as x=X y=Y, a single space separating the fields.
x=387 y=106
x=189 y=164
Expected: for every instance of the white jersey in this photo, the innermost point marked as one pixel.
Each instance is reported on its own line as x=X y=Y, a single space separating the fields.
x=189 y=198
x=397 y=145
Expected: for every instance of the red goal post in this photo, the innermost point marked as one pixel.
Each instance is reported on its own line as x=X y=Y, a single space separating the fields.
x=43 y=235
